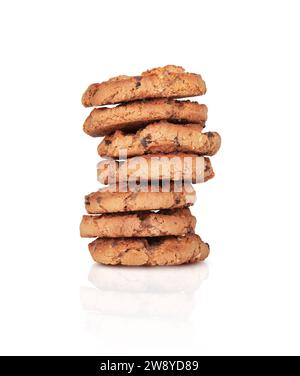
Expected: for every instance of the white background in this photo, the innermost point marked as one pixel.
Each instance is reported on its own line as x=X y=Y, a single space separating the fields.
x=245 y=299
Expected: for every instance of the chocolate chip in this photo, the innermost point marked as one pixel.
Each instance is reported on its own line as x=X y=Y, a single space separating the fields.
x=87 y=200
x=176 y=141
x=145 y=141
x=107 y=141
x=138 y=81
x=210 y=134
x=177 y=200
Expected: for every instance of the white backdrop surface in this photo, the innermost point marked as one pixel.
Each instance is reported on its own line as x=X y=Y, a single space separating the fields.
x=245 y=298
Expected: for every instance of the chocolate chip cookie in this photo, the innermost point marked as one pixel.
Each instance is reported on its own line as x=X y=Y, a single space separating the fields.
x=134 y=115
x=121 y=198
x=161 y=137
x=149 y=251
x=146 y=223
x=167 y=82
x=156 y=167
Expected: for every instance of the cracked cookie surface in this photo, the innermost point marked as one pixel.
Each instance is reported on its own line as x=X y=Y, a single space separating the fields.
x=148 y=224
x=121 y=198
x=161 y=137
x=131 y=116
x=156 y=167
x=170 y=250
x=167 y=82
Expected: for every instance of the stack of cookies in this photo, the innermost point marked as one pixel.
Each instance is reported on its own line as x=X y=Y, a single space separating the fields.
x=154 y=148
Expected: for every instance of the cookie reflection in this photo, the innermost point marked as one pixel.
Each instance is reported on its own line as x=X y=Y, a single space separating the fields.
x=164 y=292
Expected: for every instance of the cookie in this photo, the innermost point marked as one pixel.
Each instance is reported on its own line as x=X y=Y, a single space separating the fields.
x=134 y=115
x=117 y=199
x=156 y=167
x=167 y=82
x=161 y=137
x=146 y=223
x=151 y=251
